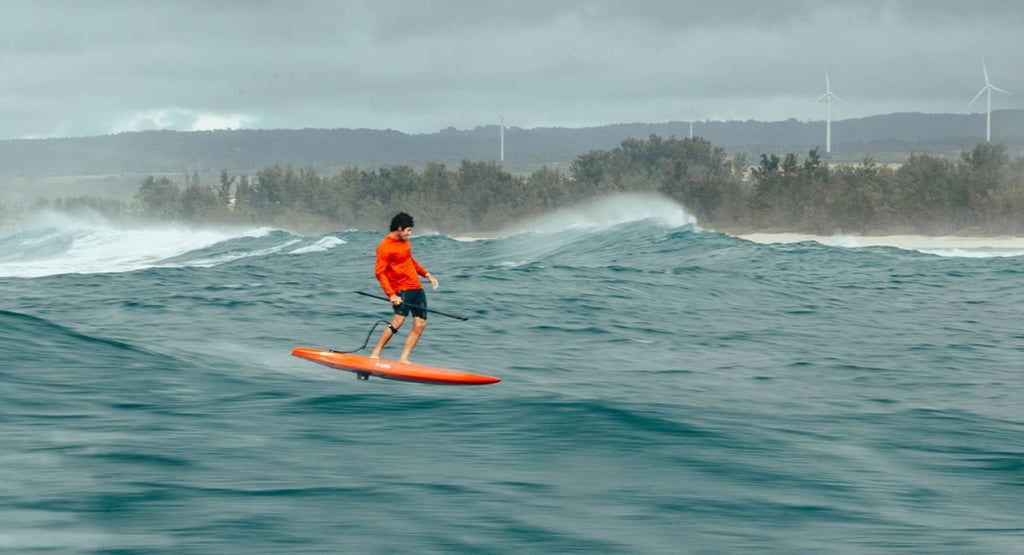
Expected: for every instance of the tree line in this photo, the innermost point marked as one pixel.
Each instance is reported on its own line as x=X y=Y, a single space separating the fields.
x=982 y=192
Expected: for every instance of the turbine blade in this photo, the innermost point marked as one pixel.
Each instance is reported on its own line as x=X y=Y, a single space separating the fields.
x=977 y=96
x=995 y=88
x=836 y=96
x=985 y=69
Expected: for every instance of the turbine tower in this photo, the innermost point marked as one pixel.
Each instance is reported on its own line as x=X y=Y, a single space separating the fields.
x=988 y=88
x=827 y=99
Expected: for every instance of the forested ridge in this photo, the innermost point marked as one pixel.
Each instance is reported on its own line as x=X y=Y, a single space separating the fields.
x=982 y=192
x=889 y=138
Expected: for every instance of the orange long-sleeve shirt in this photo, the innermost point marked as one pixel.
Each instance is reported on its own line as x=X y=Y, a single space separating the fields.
x=396 y=269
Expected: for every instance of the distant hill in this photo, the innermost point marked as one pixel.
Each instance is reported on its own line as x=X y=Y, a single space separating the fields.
x=111 y=165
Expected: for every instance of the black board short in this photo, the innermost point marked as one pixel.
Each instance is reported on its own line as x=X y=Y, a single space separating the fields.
x=416 y=297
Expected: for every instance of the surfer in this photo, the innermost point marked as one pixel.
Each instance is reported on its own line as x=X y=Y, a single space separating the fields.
x=399 y=275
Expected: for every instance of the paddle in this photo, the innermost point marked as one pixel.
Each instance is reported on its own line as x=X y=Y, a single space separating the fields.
x=463 y=318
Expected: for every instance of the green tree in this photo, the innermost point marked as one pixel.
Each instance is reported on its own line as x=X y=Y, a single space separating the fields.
x=243 y=207
x=224 y=190
x=550 y=189
x=158 y=198
x=483 y=186
x=981 y=173
x=198 y=203
x=930 y=193
x=769 y=185
x=588 y=170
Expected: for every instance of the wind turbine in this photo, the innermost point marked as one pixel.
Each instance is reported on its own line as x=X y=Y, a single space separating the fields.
x=988 y=88
x=693 y=116
x=827 y=99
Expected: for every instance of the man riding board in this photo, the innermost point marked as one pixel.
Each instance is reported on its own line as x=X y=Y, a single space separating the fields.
x=399 y=275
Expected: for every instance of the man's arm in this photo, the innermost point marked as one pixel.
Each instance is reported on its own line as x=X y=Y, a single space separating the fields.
x=423 y=272
x=380 y=270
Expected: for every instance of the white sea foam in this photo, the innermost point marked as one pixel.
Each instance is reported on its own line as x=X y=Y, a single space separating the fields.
x=218 y=259
x=533 y=240
x=968 y=253
x=324 y=244
x=609 y=211
x=93 y=245
x=946 y=246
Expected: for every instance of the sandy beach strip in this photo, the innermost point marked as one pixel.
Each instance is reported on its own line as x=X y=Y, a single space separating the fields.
x=948 y=244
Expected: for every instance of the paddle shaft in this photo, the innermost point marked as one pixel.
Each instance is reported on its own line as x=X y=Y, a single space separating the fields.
x=463 y=318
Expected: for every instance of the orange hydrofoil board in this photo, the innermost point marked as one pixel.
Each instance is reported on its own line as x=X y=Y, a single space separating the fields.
x=364 y=367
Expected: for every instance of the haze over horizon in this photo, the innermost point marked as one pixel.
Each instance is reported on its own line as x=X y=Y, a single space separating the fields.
x=72 y=69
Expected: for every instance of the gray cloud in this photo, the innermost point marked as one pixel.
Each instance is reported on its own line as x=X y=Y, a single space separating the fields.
x=70 y=68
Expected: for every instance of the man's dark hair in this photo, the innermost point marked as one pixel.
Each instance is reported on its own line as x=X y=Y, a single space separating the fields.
x=401 y=221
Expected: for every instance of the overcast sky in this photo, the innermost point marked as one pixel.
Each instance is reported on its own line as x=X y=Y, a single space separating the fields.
x=70 y=68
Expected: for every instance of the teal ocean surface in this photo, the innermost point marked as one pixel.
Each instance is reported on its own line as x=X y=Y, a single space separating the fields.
x=665 y=389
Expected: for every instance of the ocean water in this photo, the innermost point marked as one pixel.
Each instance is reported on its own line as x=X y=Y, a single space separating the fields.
x=666 y=389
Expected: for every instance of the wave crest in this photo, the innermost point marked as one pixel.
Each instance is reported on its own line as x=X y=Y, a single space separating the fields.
x=52 y=243
x=609 y=211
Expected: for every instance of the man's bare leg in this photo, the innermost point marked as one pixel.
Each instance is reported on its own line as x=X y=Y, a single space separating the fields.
x=418 y=325
x=386 y=335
